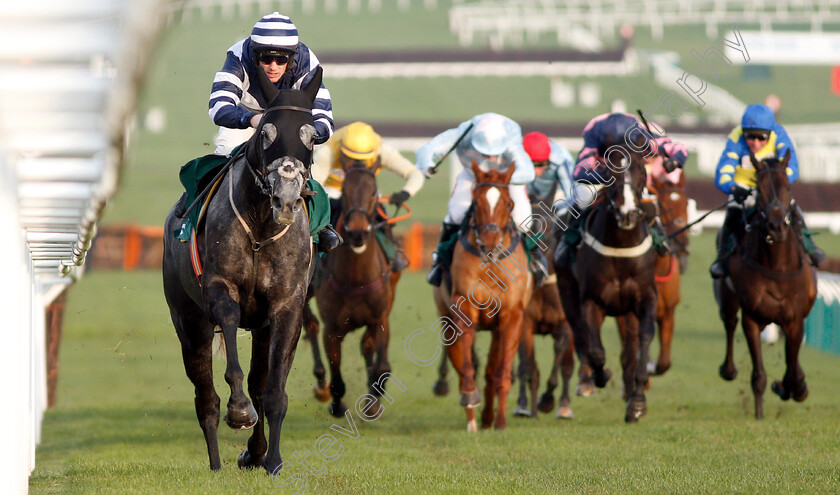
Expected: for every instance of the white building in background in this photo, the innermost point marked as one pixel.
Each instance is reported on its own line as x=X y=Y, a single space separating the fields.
x=68 y=75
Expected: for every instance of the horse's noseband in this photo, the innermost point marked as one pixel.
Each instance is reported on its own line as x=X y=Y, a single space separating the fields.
x=369 y=214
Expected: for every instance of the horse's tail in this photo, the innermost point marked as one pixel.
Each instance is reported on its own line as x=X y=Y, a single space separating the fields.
x=219 y=347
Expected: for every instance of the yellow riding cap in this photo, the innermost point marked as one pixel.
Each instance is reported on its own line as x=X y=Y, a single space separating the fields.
x=360 y=142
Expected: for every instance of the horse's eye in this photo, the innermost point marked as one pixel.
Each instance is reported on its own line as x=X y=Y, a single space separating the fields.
x=307 y=135
x=269 y=133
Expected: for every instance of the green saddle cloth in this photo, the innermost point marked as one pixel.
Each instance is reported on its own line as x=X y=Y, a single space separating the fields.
x=195 y=173
x=447 y=248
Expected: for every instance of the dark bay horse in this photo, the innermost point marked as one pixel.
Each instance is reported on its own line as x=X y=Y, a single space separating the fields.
x=257 y=258
x=490 y=287
x=357 y=288
x=672 y=201
x=771 y=281
x=614 y=276
x=544 y=316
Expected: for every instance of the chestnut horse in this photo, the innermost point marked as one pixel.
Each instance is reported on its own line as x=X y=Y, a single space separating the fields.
x=614 y=276
x=357 y=288
x=771 y=281
x=489 y=287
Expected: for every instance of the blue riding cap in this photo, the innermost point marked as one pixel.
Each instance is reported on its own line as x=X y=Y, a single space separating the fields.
x=758 y=117
x=613 y=131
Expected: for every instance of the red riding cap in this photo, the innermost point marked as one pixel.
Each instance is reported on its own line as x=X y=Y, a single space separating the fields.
x=537 y=146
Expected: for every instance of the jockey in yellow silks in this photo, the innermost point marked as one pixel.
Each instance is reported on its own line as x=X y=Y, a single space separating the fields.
x=358 y=142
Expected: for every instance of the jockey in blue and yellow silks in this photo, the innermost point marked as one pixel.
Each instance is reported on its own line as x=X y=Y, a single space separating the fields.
x=760 y=134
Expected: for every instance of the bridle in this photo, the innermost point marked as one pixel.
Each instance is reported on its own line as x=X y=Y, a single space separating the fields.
x=368 y=213
x=671 y=225
x=490 y=227
x=261 y=175
x=774 y=203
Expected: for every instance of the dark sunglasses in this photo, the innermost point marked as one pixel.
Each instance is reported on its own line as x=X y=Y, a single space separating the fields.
x=267 y=58
x=763 y=136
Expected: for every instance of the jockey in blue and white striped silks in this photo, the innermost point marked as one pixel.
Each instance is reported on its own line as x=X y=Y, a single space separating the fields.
x=236 y=96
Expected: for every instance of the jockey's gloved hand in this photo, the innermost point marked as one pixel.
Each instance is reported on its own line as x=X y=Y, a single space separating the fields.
x=740 y=194
x=430 y=171
x=399 y=197
x=255 y=120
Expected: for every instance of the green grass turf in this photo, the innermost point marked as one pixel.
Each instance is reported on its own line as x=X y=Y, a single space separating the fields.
x=125 y=421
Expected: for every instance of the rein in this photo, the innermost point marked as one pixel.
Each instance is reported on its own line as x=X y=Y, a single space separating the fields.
x=255 y=245
x=702 y=217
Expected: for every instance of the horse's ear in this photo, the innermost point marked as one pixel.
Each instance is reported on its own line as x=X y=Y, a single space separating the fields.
x=268 y=89
x=786 y=159
x=758 y=165
x=509 y=172
x=475 y=168
x=314 y=84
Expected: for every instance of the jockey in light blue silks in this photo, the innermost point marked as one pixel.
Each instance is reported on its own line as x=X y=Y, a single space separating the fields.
x=494 y=142
x=760 y=133
x=598 y=136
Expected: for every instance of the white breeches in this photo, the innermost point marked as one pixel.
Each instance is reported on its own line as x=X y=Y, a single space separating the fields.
x=461 y=199
x=228 y=138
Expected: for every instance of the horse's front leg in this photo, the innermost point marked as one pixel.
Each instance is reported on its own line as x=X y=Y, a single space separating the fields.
x=333 y=338
x=564 y=359
x=460 y=354
x=793 y=384
x=636 y=364
x=593 y=317
x=257 y=378
x=381 y=367
x=286 y=325
x=752 y=331
x=510 y=328
x=665 y=322
x=441 y=387
x=527 y=369
x=223 y=307
x=490 y=379
x=728 y=309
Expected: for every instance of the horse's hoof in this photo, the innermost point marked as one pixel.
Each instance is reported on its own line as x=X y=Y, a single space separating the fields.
x=779 y=389
x=337 y=408
x=564 y=412
x=546 y=403
x=241 y=418
x=322 y=394
x=651 y=367
x=801 y=392
x=585 y=389
x=601 y=377
x=522 y=412
x=245 y=461
x=440 y=388
x=471 y=399
x=635 y=410
x=472 y=426
x=728 y=373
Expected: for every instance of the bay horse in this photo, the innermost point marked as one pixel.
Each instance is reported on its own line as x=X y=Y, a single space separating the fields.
x=357 y=288
x=257 y=259
x=770 y=281
x=614 y=276
x=488 y=289
x=672 y=201
x=544 y=316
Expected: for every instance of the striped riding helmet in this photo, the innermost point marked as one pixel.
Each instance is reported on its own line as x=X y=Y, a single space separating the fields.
x=274 y=32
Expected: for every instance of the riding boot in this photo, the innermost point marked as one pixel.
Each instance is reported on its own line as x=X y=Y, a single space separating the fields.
x=435 y=276
x=564 y=254
x=328 y=239
x=805 y=236
x=538 y=266
x=720 y=267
